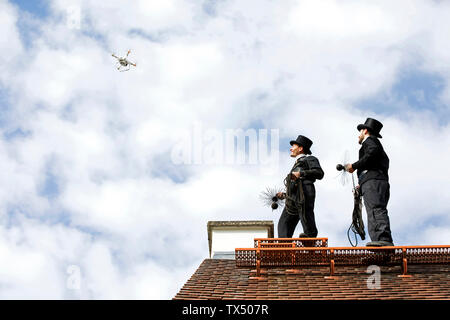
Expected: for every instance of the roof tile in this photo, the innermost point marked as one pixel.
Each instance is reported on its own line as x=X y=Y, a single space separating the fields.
x=231 y=282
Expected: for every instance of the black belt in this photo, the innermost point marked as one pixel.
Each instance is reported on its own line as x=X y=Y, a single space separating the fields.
x=367 y=171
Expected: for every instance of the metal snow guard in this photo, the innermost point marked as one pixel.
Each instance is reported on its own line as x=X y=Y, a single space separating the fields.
x=291 y=257
x=290 y=242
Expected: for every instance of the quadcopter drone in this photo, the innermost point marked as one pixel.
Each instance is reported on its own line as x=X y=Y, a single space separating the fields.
x=123 y=64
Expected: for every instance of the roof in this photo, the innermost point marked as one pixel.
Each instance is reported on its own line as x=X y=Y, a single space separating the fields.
x=222 y=279
x=306 y=268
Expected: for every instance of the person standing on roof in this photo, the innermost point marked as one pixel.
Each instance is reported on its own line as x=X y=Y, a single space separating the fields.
x=300 y=191
x=372 y=170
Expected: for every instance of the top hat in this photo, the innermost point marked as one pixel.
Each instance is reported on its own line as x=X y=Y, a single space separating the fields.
x=374 y=127
x=303 y=142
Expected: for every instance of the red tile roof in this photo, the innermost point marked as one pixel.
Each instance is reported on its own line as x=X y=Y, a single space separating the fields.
x=222 y=279
x=287 y=268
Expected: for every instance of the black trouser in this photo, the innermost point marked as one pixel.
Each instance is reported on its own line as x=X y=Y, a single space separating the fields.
x=288 y=222
x=376 y=196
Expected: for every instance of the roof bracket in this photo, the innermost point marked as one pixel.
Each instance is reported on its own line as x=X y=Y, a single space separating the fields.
x=331 y=276
x=404 y=266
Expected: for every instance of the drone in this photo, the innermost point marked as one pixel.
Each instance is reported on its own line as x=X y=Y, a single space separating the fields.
x=123 y=64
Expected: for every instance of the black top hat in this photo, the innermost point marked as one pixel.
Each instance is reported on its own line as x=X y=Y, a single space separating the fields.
x=374 y=127
x=303 y=142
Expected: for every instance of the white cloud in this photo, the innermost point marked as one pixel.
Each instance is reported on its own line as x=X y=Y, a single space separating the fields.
x=107 y=137
x=35 y=256
x=10 y=44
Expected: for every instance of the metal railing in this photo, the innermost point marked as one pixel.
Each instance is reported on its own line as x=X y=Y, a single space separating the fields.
x=290 y=242
x=289 y=255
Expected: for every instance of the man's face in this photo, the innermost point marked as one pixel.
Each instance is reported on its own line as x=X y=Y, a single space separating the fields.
x=295 y=150
x=362 y=135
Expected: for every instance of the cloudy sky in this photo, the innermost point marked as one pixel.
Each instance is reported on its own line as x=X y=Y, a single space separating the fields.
x=94 y=202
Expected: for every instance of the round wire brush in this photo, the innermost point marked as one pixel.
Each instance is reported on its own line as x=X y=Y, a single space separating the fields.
x=270 y=199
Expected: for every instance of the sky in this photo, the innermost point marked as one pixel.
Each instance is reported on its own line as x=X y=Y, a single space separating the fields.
x=108 y=178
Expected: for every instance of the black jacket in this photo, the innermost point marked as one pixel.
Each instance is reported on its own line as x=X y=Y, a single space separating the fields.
x=373 y=159
x=309 y=168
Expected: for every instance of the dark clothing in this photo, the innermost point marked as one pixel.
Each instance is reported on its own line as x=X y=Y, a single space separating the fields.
x=372 y=169
x=288 y=222
x=296 y=210
x=376 y=196
x=373 y=159
x=309 y=168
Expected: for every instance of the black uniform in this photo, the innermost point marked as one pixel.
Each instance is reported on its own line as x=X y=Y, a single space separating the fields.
x=372 y=169
x=300 y=197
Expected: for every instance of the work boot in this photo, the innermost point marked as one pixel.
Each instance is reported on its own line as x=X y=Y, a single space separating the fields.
x=380 y=243
x=304 y=235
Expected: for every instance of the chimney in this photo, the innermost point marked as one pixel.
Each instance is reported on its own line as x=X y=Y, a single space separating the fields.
x=225 y=236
